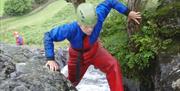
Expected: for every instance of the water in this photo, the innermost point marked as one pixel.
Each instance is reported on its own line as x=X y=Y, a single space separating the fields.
x=93 y=80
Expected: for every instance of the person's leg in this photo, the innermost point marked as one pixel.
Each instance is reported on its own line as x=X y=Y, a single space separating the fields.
x=109 y=65
x=72 y=71
x=72 y=68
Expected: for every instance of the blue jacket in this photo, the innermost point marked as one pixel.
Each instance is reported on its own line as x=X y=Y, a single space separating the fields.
x=73 y=33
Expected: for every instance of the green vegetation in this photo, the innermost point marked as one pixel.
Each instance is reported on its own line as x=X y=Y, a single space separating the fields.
x=136 y=53
x=2 y=7
x=147 y=42
x=40 y=1
x=17 y=7
x=168 y=15
x=33 y=26
x=34 y=19
x=164 y=10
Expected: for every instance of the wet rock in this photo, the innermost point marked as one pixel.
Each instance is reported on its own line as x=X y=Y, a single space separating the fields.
x=176 y=84
x=167 y=77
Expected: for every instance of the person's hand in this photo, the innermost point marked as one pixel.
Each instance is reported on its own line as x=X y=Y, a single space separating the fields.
x=53 y=66
x=134 y=16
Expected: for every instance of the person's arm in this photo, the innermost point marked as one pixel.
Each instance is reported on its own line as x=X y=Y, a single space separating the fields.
x=104 y=8
x=56 y=34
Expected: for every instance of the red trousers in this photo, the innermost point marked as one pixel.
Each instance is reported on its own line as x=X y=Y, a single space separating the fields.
x=101 y=59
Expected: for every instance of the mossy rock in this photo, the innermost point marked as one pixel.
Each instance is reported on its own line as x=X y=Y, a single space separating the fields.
x=168 y=17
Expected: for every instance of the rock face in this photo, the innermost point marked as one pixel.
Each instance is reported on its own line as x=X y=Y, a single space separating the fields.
x=167 y=77
x=22 y=69
x=167 y=73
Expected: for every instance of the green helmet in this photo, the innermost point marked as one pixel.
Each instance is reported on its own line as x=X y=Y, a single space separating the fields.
x=86 y=14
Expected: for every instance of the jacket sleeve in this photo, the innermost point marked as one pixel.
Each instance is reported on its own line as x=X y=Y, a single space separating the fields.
x=104 y=8
x=56 y=34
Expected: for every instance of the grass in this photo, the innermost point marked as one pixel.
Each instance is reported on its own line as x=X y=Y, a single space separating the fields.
x=33 y=27
x=34 y=19
x=2 y=7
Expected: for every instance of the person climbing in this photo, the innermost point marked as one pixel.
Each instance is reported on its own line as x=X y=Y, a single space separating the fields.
x=85 y=49
x=19 y=38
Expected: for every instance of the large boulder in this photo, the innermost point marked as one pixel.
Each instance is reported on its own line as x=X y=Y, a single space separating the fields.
x=22 y=69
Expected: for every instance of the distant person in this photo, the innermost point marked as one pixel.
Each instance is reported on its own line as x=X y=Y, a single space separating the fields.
x=85 y=49
x=19 y=38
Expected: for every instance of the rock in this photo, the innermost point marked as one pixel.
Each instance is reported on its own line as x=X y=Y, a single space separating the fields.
x=62 y=55
x=20 y=88
x=22 y=69
x=176 y=84
x=167 y=77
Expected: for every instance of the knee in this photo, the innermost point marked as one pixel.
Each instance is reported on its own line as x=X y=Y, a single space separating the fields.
x=113 y=66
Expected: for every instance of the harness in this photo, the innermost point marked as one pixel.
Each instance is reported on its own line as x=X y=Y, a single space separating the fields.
x=80 y=58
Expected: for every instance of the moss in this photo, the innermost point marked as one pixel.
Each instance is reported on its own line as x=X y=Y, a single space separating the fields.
x=173 y=48
x=166 y=9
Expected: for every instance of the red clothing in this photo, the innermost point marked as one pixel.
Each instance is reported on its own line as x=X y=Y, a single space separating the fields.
x=100 y=58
